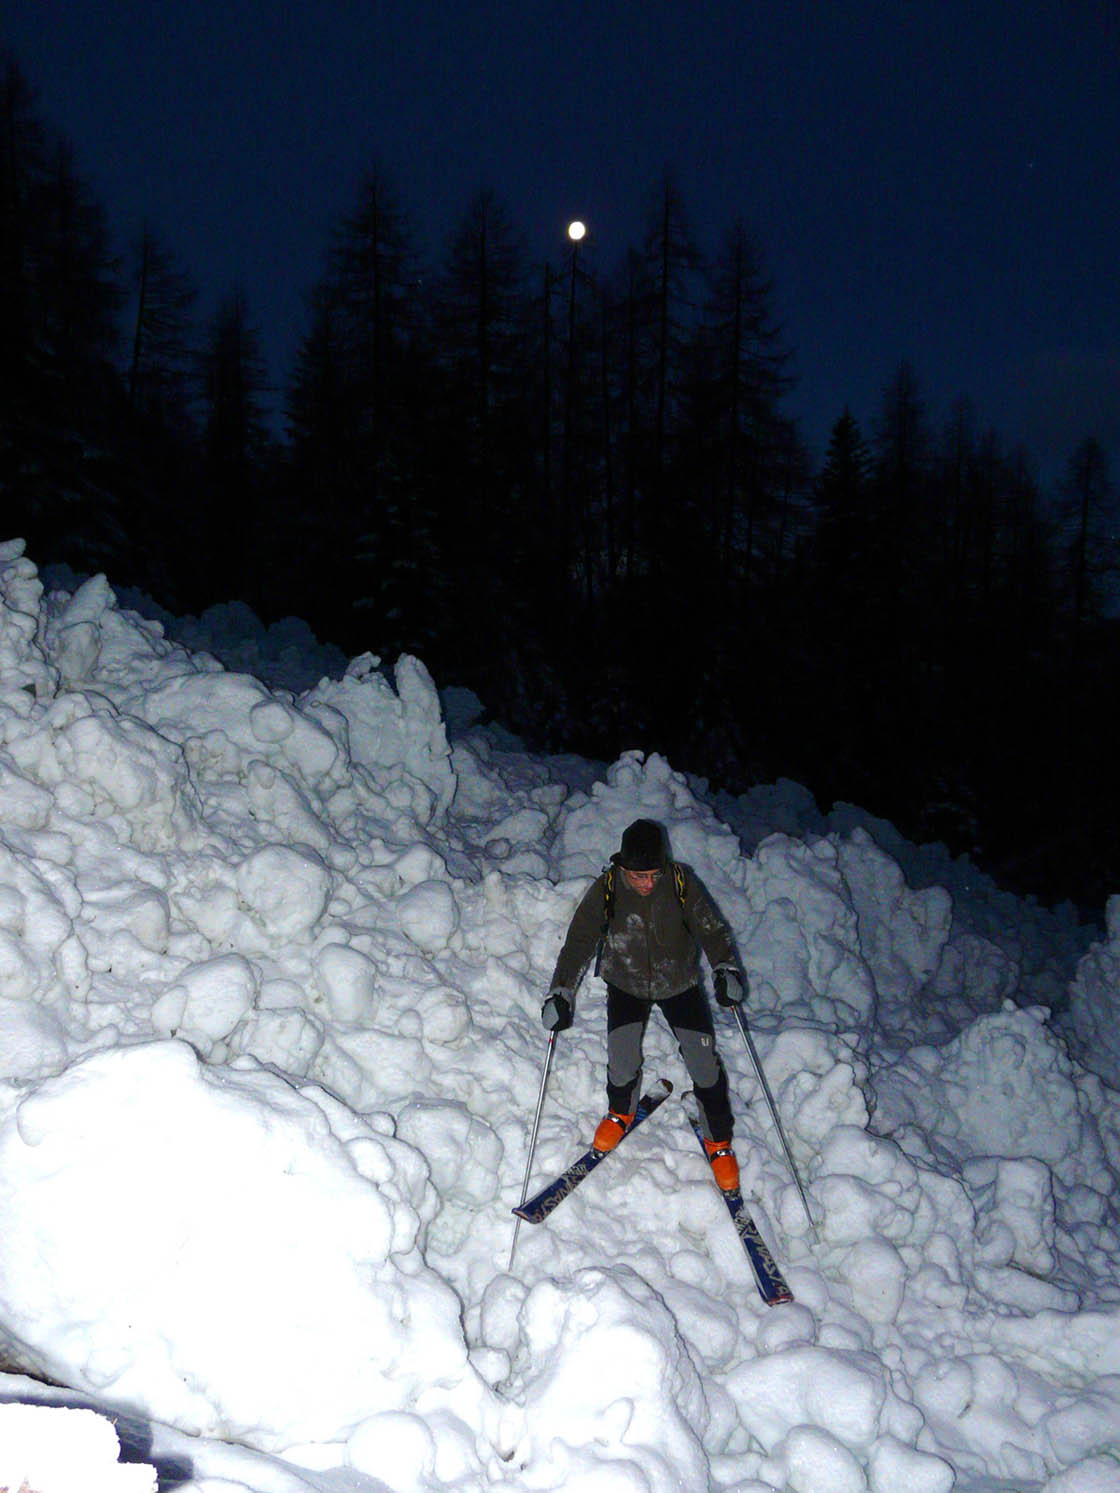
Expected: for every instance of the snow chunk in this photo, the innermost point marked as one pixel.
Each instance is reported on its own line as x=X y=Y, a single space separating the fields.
x=347 y=979
x=1094 y=1475
x=1016 y=1209
x=207 y=1002
x=876 y=1275
x=429 y=915
x=286 y=1037
x=286 y=890
x=812 y=1461
x=894 y=1466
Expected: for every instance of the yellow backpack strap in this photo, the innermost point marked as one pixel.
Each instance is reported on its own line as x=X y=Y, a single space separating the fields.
x=608 y=909
x=678 y=878
x=608 y=897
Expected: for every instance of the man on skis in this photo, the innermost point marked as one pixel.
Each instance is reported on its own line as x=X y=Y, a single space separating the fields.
x=646 y=918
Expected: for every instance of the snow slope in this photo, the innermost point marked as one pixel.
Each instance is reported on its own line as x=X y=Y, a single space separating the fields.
x=270 y=976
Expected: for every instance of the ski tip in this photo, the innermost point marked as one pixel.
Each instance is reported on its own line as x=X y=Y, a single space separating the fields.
x=780 y=1298
x=524 y=1215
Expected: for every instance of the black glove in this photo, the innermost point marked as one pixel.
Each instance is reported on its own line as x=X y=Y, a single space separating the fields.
x=556 y=1013
x=730 y=985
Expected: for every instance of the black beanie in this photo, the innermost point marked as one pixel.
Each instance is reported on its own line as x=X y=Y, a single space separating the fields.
x=643 y=847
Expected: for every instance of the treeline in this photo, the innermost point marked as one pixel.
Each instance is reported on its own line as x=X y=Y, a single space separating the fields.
x=585 y=496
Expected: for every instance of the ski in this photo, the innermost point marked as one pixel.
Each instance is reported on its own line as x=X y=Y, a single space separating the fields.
x=536 y=1209
x=771 y=1283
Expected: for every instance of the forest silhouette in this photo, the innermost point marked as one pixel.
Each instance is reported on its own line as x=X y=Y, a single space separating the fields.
x=586 y=497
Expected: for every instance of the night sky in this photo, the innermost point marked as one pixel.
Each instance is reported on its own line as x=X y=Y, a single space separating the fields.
x=937 y=182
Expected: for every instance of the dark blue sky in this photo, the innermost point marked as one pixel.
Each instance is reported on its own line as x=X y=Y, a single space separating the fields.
x=931 y=180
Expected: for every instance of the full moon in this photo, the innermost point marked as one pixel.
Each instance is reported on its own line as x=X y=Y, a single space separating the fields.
x=576 y=231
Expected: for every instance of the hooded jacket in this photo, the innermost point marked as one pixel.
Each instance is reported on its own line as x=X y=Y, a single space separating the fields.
x=651 y=948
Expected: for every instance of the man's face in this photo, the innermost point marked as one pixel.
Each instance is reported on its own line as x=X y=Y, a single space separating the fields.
x=642 y=882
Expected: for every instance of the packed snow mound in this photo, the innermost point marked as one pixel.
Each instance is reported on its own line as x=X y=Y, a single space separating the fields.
x=607 y=1382
x=1011 y=946
x=271 y=969
x=49 y=1449
x=285 y=654
x=309 y=1209
x=1090 y=1020
x=1013 y=1091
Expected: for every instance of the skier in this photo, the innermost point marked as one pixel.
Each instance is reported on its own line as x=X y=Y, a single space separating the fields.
x=647 y=918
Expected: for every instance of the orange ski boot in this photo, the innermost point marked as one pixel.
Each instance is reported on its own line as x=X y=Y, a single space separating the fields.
x=612 y=1127
x=725 y=1169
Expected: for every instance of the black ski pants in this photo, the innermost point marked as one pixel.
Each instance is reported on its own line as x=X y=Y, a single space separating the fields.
x=690 y=1020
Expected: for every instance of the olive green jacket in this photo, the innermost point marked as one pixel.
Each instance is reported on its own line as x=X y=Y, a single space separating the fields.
x=652 y=947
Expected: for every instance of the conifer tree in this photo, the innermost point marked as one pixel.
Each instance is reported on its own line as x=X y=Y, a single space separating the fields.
x=316 y=519
x=236 y=456
x=369 y=328
x=164 y=352
x=744 y=380
x=665 y=303
x=486 y=420
x=842 y=493
x=1090 y=530
x=23 y=164
x=1029 y=610
x=77 y=275
x=59 y=287
x=59 y=391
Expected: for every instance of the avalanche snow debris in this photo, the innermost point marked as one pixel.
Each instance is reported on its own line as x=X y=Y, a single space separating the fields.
x=270 y=974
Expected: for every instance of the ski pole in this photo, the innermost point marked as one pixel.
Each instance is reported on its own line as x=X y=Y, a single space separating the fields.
x=749 y=1040
x=533 y=1140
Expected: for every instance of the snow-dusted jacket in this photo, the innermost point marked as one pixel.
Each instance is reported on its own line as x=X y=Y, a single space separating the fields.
x=651 y=947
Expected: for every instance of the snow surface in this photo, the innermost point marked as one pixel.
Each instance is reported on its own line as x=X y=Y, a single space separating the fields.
x=59 y=1451
x=271 y=967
